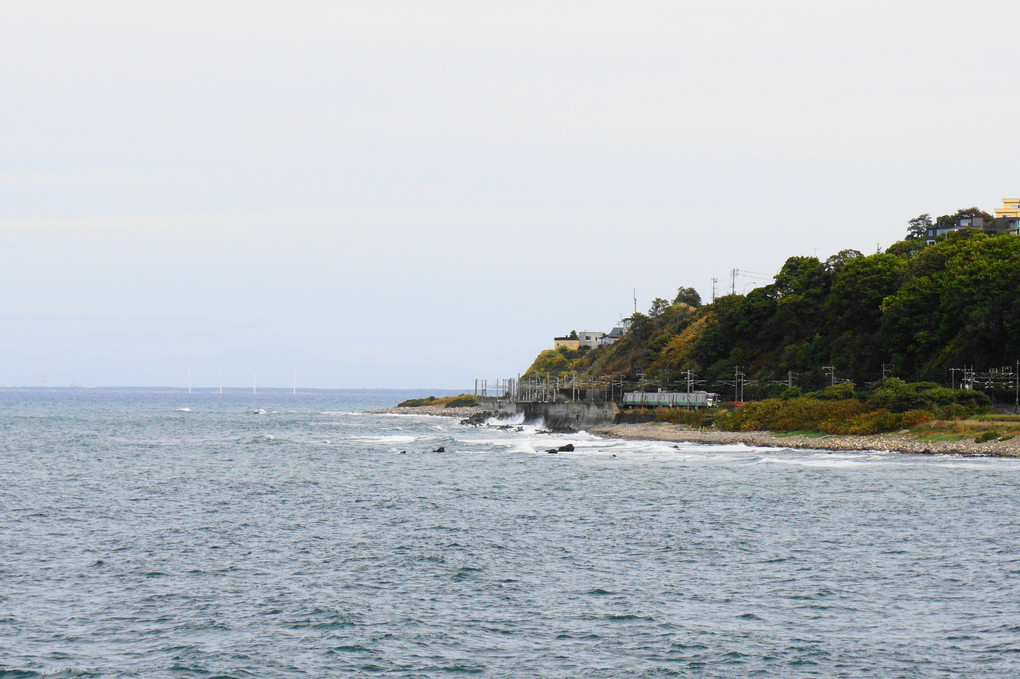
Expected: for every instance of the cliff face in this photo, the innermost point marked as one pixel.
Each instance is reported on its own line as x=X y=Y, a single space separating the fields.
x=912 y=311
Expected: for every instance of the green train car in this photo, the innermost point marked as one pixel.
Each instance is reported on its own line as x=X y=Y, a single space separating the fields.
x=671 y=399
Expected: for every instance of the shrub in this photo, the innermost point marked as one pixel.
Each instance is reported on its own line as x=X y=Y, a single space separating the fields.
x=863 y=424
x=417 y=402
x=912 y=418
x=462 y=402
x=836 y=392
x=899 y=396
x=693 y=418
x=986 y=436
x=795 y=414
x=956 y=411
x=969 y=397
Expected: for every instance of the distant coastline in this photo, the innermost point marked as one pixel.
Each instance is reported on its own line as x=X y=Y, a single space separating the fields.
x=662 y=431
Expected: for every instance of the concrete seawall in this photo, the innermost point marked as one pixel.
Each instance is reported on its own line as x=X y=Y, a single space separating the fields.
x=570 y=416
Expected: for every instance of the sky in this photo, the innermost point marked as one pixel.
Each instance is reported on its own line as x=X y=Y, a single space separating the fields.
x=408 y=194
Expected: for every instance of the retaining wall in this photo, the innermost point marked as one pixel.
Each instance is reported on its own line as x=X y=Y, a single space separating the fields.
x=569 y=416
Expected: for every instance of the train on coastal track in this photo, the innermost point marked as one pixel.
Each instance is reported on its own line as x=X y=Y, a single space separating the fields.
x=671 y=399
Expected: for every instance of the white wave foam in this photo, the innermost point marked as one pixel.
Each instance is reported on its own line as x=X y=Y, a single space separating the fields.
x=512 y=421
x=828 y=462
x=391 y=438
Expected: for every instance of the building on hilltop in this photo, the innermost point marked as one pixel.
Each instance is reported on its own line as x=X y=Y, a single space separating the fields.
x=934 y=231
x=1010 y=208
x=613 y=335
x=1007 y=220
x=591 y=338
x=1008 y=217
x=570 y=341
x=575 y=340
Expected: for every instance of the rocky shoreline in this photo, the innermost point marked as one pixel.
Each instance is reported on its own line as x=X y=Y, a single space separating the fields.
x=661 y=431
x=891 y=442
x=437 y=411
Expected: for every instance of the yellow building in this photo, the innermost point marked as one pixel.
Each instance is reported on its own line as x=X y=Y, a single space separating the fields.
x=1010 y=209
x=571 y=343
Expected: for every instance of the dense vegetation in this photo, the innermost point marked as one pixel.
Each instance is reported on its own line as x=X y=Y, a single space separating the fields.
x=463 y=400
x=892 y=405
x=916 y=310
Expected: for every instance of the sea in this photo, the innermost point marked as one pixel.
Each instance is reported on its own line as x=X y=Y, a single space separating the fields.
x=161 y=533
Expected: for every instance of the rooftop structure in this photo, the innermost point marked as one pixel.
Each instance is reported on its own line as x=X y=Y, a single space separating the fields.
x=1010 y=209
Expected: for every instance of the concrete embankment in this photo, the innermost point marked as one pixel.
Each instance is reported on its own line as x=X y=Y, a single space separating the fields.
x=570 y=416
x=558 y=416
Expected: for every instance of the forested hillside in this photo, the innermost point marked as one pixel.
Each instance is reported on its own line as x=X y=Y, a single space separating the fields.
x=918 y=310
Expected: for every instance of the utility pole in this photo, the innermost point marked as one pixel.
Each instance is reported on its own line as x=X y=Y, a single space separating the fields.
x=831 y=372
x=952 y=377
x=733 y=281
x=635 y=300
x=714 y=281
x=688 y=389
x=887 y=367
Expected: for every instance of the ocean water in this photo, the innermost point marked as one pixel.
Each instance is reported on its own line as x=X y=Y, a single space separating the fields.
x=166 y=534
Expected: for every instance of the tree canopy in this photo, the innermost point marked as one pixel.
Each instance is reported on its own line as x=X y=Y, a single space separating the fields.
x=923 y=309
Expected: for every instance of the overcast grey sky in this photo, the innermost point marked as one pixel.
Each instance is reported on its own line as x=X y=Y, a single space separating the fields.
x=412 y=194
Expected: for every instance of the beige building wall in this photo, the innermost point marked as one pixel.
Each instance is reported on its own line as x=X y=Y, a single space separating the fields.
x=1010 y=208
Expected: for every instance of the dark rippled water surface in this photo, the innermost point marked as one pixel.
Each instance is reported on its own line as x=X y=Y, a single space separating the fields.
x=142 y=540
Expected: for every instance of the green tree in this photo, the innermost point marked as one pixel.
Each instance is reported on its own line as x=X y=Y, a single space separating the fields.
x=658 y=306
x=855 y=299
x=835 y=263
x=918 y=226
x=688 y=296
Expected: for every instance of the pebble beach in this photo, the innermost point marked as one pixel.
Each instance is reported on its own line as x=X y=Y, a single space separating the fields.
x=901 y=442
x=896 y=442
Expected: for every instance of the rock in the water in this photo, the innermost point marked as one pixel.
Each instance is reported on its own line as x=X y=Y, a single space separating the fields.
x=440 y=449
x=569 y=448
x=478 y=418
x=552 y=451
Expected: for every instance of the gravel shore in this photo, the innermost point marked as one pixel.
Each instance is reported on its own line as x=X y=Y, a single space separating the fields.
x=438 y=411
x=661 y=431
x=896 y=442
